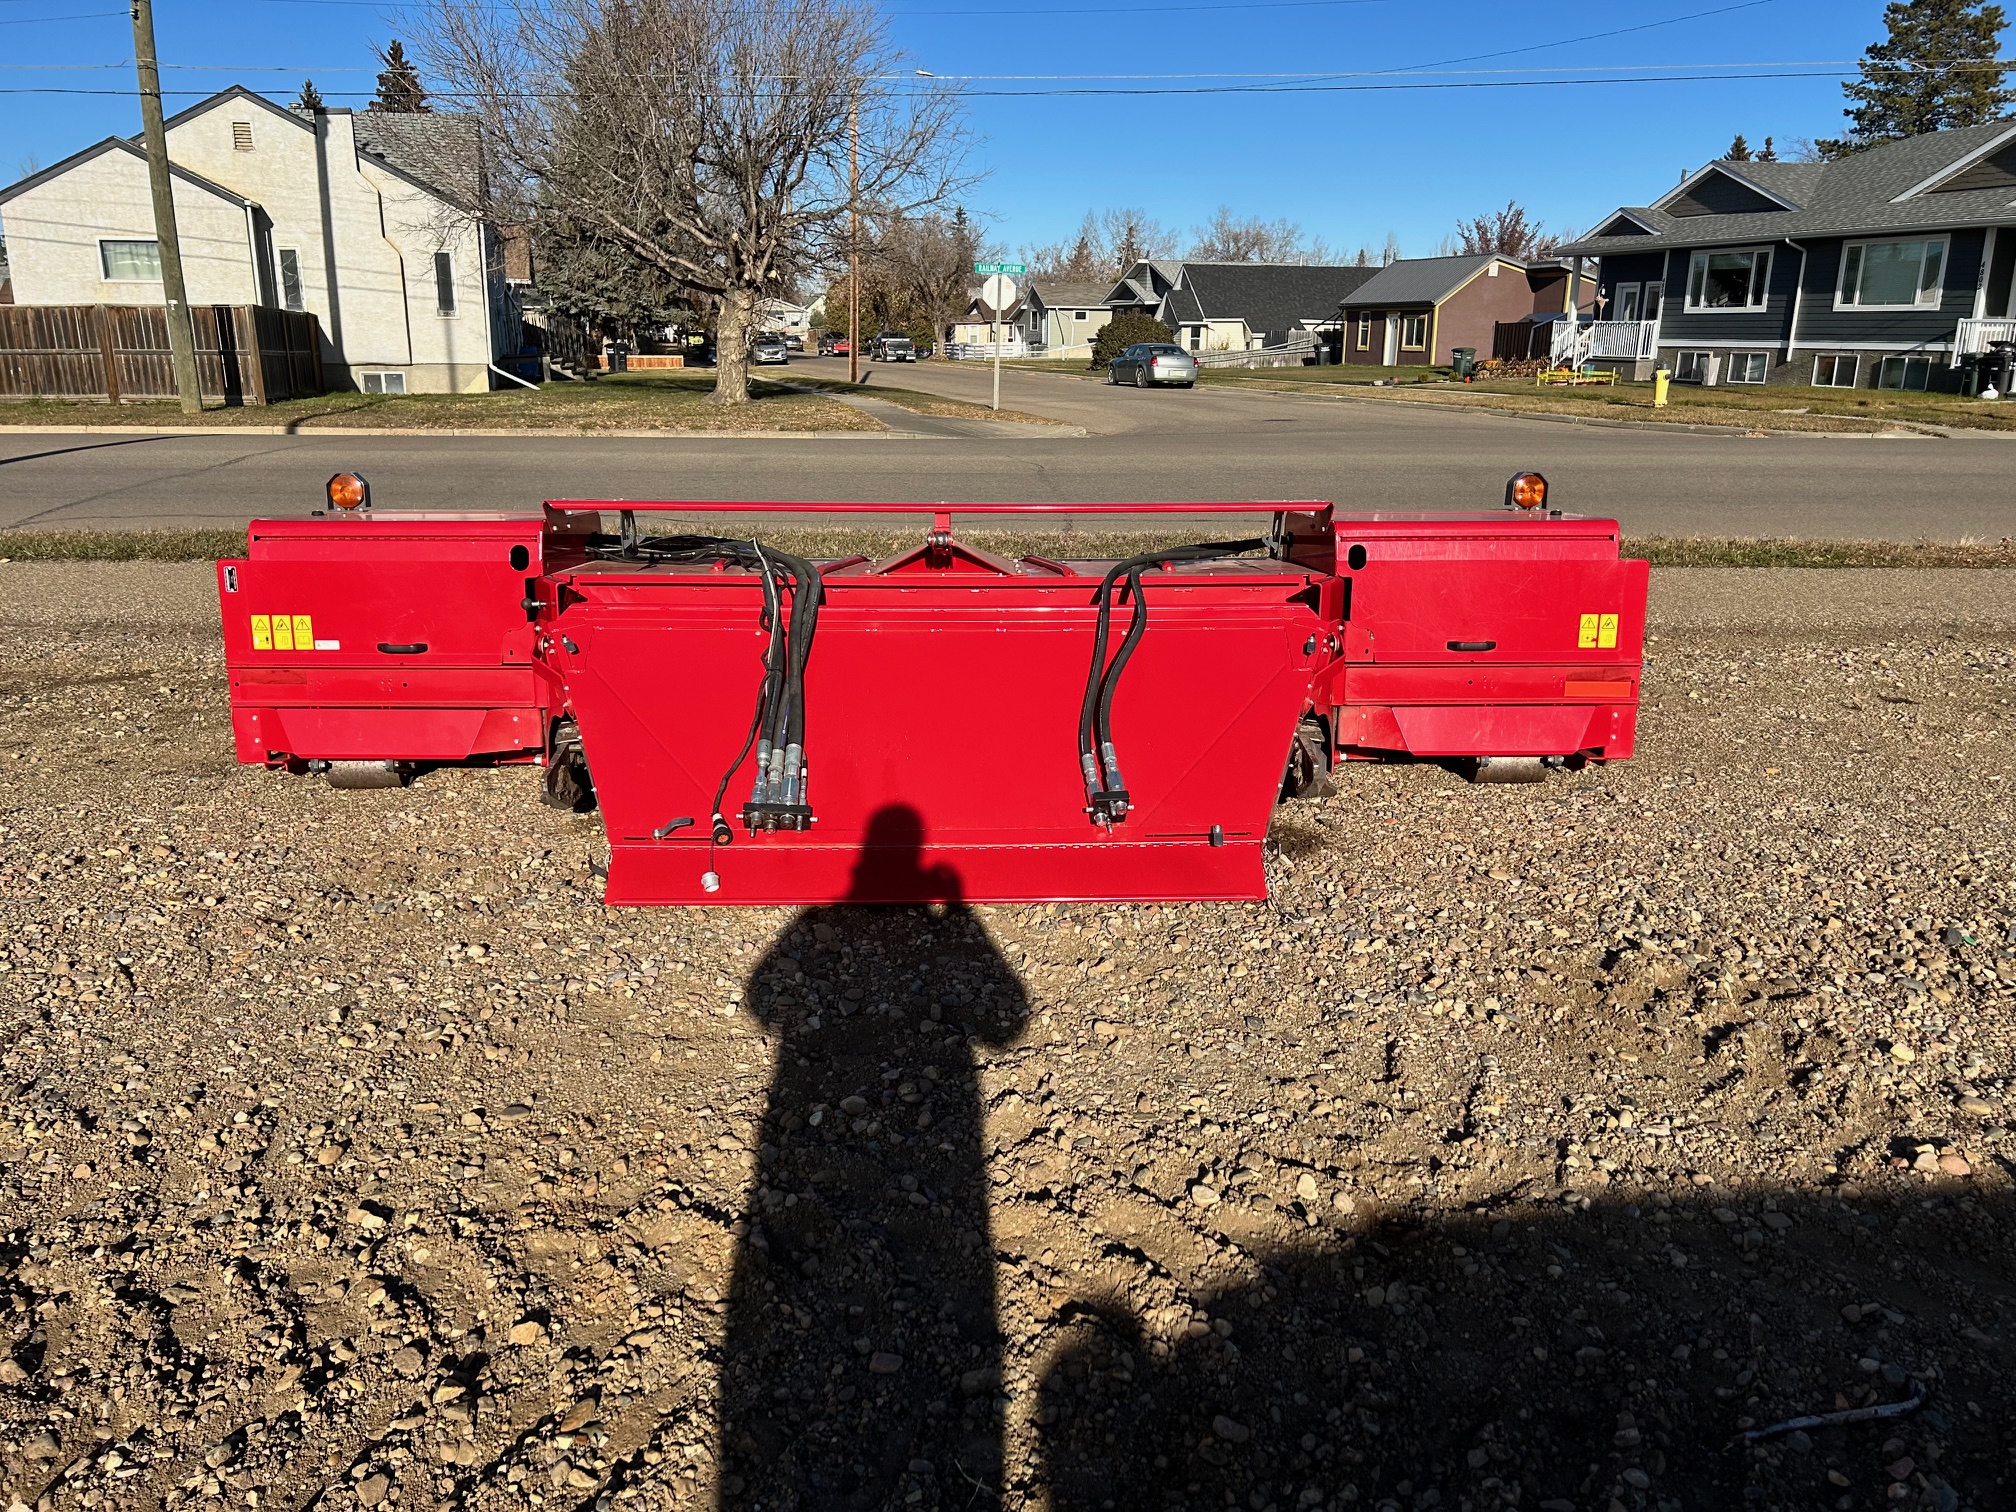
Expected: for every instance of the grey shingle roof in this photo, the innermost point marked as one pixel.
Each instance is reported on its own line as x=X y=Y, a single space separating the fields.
x=1855 y=194
x=440 y=149
x=1274 y=298
x=1424 y=280
x=1062 y=294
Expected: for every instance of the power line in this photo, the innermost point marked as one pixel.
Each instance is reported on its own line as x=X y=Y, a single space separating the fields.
x=1031 y=94
x=39 y=20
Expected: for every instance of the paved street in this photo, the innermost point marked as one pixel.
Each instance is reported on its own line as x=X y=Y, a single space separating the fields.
x=1202 y=444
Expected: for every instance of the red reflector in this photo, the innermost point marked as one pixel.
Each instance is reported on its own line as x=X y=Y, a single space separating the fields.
x=1596 y=690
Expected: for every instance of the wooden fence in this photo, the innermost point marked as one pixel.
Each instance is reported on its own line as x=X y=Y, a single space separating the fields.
x=245 y=354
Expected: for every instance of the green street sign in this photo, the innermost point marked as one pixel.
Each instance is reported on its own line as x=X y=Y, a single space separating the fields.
x=999 y=267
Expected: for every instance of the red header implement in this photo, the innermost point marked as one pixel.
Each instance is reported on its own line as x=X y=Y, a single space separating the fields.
x=945 y=723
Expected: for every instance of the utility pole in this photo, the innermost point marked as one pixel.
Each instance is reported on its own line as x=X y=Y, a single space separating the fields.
x=854 y=236
x=181 y=332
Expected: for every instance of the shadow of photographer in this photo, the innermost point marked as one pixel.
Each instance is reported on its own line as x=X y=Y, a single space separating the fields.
x=861 y=1362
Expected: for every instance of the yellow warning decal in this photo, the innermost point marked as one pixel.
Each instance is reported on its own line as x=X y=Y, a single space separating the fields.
x=283 y=633
x=262 y=633
x=1597 y=633
x=304 y=632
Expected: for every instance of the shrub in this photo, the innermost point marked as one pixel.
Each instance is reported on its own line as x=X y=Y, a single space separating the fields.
x=1122 y=331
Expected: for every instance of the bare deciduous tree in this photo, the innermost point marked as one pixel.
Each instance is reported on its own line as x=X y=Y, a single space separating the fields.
x=1108 y=242
x=1509 y=230
x=1227 y=238
x=708 y=138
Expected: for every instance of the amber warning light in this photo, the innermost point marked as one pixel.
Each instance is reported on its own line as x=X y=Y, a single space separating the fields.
x=349 y=491
x=1525 y=491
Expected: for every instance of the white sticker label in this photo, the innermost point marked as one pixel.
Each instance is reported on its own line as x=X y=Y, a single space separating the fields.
x=322 y=645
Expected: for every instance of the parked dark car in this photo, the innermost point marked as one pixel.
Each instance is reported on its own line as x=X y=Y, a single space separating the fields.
x=831 y=345
x=1153 y=362
x=769 y=348
x=890 y=347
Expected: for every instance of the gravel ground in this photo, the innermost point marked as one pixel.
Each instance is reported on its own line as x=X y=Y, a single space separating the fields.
x=1527 y=1149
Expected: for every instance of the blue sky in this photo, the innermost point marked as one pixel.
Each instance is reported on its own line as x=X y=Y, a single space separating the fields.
x=1350 y=165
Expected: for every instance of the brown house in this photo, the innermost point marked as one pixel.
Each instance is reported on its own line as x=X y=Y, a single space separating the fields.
x=1415 y=312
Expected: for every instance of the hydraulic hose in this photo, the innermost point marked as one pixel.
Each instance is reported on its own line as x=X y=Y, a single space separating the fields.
x=1107 y=798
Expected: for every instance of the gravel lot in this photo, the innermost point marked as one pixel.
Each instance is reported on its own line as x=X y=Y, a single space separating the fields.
x=1531 y=1146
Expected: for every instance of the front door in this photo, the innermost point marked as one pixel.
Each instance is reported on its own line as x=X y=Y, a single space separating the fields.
x=1392 y=356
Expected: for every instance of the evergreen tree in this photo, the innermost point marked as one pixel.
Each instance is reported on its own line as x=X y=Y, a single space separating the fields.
x=1739 y=151
x=399 y=88
x=311 y=98
x=1937 y=70
x=1769 y=154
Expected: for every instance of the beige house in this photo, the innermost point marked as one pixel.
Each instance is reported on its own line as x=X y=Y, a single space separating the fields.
x=363 y=219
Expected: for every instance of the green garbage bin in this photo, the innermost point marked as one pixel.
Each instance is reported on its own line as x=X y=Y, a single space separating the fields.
x=1463 y=360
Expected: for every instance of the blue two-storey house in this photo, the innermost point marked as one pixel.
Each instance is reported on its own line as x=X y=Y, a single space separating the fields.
x=1880 y=270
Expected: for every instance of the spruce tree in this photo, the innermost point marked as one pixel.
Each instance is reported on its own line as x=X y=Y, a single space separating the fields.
x=399 y=88
x=1769 y=154
x=1739 y=151
x=1937 y=70
x=311 y=98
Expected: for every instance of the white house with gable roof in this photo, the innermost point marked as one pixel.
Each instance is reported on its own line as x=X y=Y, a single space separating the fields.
x=366 y=219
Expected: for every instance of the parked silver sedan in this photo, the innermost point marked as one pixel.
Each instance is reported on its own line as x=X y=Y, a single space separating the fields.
x=1151 y=362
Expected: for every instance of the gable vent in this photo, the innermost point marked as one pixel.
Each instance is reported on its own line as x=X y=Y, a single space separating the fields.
x=1996 y=171
x=241 y=136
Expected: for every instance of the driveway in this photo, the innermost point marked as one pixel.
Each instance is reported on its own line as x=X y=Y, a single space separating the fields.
x=1156 y=444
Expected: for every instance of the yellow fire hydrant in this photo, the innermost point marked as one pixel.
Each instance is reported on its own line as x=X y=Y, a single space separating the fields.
x=1661 y=382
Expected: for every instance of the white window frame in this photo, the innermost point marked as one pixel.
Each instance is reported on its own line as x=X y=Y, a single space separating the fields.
x=1729 y=368
x=1653 y=301
x=1852 y=251
x=105 y=265
x=1413 y=346
x=1635 y=292
x=1854 y=361
x=1905 y=359
x=1364 y=332
x=364 y=382
x=1760 y=280
x=1680 y=374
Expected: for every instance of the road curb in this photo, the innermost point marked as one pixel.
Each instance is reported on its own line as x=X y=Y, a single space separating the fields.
x=377 y=430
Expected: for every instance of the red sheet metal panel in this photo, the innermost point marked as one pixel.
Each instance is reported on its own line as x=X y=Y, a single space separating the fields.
x=942 y=709
x=1495 y=634
x=389 y=637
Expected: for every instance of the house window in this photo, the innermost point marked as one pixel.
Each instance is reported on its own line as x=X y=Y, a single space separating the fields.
x=444 y=282
x=1748 y=367
x=384 y=383
x=1728 y=280
x=130 y=261
x=1691 y=367
x=1364 y=333
x=1413 y=333
x=1904 y=373
x=241 y=136
x=1626 y=304
x=1836 y=372
x=1078 y=314
x=1891 y=275
x=1655 y=296
x=290 y=278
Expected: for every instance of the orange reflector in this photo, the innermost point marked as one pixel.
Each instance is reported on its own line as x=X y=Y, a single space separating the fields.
x=1574 y=689
x=349 y=491
x=1526 y=491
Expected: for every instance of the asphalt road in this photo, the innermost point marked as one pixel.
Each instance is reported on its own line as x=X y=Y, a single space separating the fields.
x=1173 y=445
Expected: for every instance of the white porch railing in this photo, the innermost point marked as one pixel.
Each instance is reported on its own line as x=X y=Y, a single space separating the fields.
x=1974 y=335
x=1576 y=342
